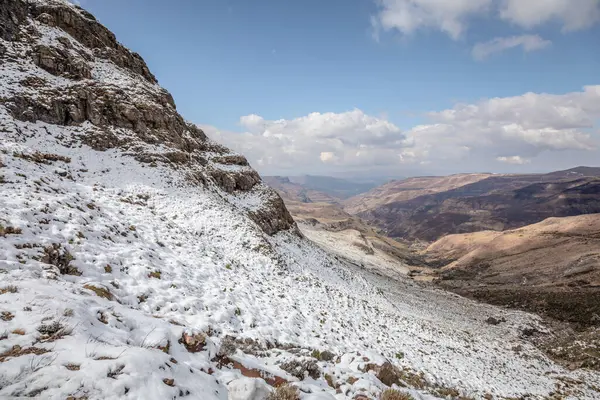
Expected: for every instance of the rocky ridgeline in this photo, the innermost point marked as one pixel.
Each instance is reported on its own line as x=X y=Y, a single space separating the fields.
x=67 y=69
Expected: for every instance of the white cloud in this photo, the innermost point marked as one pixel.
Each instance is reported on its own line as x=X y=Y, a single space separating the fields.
x=408 y=16
x=516 y=160
x=572 y=14
x=528 y=42
x=452 y=17
x=316 y=141
x=513 y=130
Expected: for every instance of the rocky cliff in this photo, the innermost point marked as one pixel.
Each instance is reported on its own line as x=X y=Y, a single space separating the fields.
x=63 y=68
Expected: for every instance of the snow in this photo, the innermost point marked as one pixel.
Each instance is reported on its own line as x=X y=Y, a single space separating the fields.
x=172 y=257
x=248 y=389
x=217 y=270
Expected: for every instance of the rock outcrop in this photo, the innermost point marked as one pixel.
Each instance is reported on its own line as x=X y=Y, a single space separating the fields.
x=69 y=70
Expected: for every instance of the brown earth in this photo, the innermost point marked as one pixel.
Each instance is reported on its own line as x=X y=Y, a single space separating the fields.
x=408 y=189
x=496 y=202
x=552 y=267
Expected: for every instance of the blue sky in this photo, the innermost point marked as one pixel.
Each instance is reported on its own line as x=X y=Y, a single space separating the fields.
x=223 y=60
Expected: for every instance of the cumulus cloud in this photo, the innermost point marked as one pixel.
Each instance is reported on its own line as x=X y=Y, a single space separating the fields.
x=516 y=160
x=316 y=141
x=512 y=130
x=572 y=14
x=529 y=43
x=408 y=16
x=453 y=17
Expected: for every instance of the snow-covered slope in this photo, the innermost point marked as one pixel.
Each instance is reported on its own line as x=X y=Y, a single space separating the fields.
x=141 y=260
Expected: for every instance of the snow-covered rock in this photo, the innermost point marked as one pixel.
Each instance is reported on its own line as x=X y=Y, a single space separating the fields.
x=248 y=389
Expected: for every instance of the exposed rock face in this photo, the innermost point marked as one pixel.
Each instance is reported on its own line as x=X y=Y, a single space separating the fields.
x=84 y=28
x=91 y=81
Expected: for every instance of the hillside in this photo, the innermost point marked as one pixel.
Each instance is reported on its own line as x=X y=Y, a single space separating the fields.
x=497 y=202
x=558 y=256
x=552 y=268
x=407 y=189
x=142 y=260
x=323 y=220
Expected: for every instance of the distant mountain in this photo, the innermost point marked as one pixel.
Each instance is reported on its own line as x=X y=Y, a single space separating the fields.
x=407 y=189
x=470 y=203
x=296 y=192
x=336 y=188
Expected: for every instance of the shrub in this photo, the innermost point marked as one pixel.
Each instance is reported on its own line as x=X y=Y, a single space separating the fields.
x=61 y=258
x=284 y=392
x=301 y=368
x=53 y=331
x=391 y=394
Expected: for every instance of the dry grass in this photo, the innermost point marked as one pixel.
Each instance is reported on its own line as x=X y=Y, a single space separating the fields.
x=284 y=392
x=154 y=274
x=53 y=331
x=391 y=394
x=9 y=289
x=100 y=292
x=18 y=351
x=9 y=230
x=19 y=332
x=73 y=367
x=6 y=316
x=42 y=158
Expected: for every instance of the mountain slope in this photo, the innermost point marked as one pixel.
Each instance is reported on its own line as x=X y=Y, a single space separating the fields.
x=141 y=260
x=494 y=203
x=552 y=266
x=407 y=189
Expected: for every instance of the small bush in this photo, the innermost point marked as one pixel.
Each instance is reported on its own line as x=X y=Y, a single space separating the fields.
x=68 y=312
x=53 y=331
x=61 y=258
x=284 y=392
x=391 y=394
x=301 y=368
